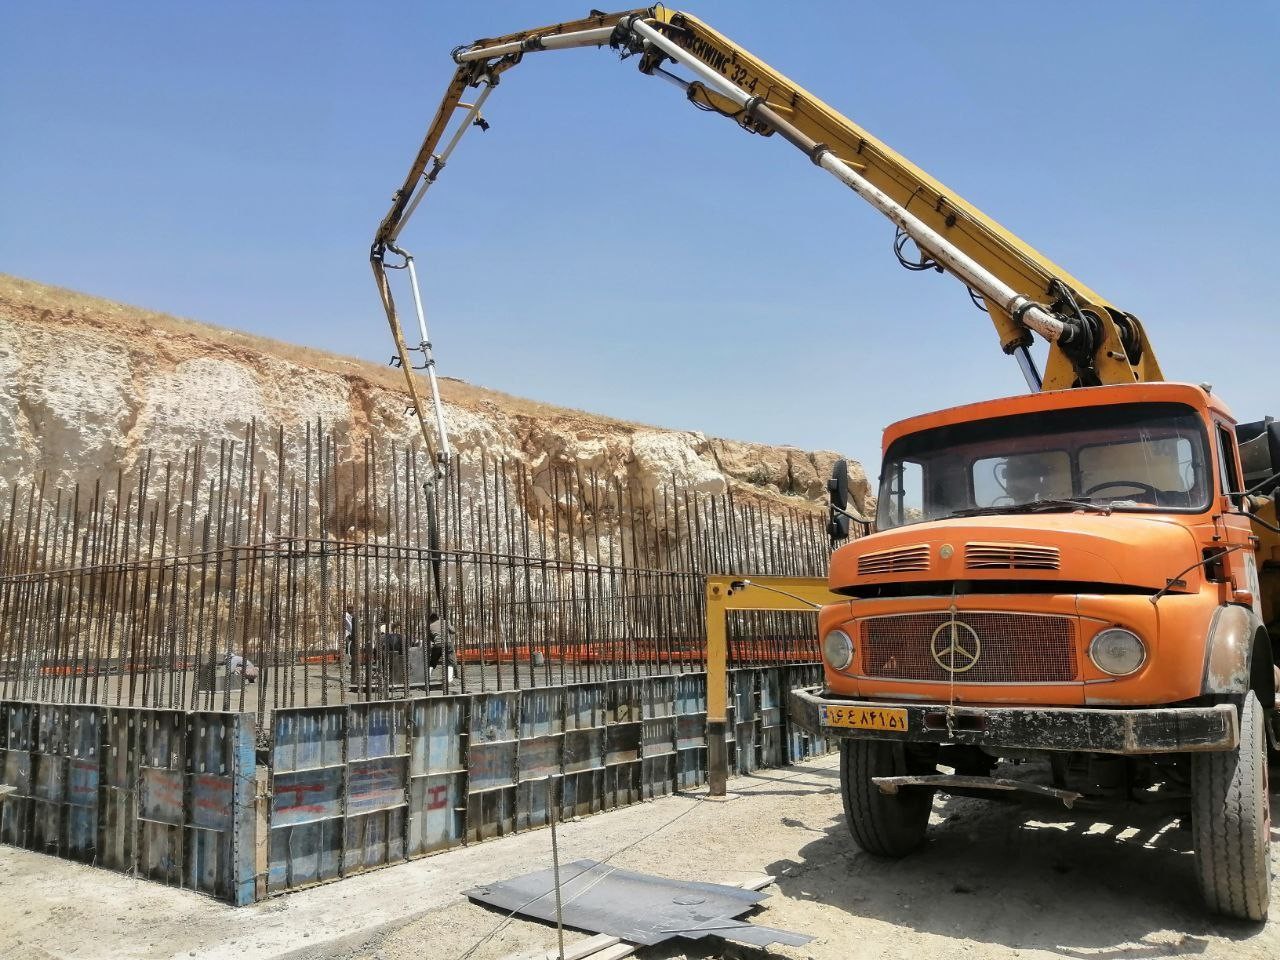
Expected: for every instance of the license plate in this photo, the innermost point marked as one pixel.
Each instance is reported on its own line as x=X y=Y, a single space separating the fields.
x=864 y=718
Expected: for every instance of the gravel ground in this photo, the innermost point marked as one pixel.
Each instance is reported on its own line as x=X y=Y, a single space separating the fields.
x=996 y=880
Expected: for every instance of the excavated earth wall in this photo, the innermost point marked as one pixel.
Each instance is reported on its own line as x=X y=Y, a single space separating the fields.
x=88 y=387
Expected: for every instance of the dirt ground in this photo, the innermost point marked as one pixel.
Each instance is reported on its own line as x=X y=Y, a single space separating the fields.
x=996 y=880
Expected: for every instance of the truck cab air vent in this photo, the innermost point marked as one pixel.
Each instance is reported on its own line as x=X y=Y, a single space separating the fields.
x=1011 y=556
x=898 y=560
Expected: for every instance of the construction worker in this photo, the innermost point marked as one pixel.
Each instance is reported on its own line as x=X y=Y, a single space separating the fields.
x=440 y=634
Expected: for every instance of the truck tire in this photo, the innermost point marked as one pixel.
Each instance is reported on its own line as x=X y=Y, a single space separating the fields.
x=1231 y=821
x=883 y=825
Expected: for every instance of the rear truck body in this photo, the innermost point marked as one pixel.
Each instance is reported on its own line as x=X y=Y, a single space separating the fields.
x=1074 y=577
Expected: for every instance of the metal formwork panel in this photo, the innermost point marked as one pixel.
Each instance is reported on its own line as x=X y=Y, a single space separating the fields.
x=585 y=706
x=83 y=761
x=691 y=693
x=219 y=830
x=624 y=701
x=437 y=812
x=377 y=784
x=492 y=762
x=306 y=832
x=438 y=774
x=118 y=793
x=50 y=723
x=541 y=712
x=162 y=801
x=772 y=750
x=658 y=697
x=534 y=800
x=15 y=813
x=113 y=786
x=742 y=696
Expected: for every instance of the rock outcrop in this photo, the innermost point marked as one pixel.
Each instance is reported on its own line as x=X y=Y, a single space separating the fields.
x=88 y=386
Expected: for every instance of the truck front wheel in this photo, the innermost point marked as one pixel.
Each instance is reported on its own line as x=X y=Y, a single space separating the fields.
x=1231 y=821
x=886 y=825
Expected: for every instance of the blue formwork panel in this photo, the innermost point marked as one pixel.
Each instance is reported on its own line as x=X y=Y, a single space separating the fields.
x=220 y=780
x=493 y=717
x=438 y=739
x=541 y=712
x=534 y=801
x=15 y=813
x=584 y=750
x=437 y=812
x=306 y=824
x=48 y=778
x=373 y=839
x=492 y=752
x=84 y=758
x=585 y=706
x=161 y=794
x=540 y=757
x=377 y=730
x=691 y=693
x=438 y=774
x=624 y=701
x=117 y=797
x=308 y=738
x=658 y=697
x=492 y=765
x=116 y=786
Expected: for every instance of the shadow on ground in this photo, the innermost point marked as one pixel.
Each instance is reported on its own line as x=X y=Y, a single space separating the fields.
x=1027 y=875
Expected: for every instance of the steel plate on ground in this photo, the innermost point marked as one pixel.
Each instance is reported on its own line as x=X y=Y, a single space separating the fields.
x=635 y=907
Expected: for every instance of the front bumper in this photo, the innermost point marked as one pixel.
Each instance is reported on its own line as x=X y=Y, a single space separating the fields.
x=1153 y=730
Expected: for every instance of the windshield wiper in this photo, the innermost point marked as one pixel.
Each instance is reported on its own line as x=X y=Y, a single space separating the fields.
x=1035 y=506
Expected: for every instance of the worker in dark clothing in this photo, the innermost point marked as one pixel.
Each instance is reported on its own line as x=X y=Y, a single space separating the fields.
x=349 y=635
x=393 y=640
x=441 y=637
x=238 y=666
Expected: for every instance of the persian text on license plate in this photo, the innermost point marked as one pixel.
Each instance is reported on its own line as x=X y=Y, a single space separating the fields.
x=864 y=718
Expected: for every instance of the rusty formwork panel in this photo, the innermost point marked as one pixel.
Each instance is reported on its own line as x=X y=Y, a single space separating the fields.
x=359 y=786
x=160 y=794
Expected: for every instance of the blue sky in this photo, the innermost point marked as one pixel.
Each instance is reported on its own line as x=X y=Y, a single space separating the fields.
x=606 y=246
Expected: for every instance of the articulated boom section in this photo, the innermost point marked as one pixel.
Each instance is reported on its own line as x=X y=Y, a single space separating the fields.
x=1091 y=341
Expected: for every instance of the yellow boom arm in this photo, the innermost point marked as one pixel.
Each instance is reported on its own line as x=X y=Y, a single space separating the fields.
x=1091 y=341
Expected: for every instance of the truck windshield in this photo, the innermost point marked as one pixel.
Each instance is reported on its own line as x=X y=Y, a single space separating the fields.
x=1133 y=456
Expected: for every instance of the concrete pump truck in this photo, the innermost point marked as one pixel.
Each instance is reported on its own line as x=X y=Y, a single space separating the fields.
x=1087 y=575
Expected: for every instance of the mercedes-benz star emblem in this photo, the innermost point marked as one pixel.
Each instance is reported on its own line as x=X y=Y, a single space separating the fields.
x=955 y=646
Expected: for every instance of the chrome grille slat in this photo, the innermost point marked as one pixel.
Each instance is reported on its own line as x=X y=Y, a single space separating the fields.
x=1016 y=648
x=1011 y=556
x=898 y=560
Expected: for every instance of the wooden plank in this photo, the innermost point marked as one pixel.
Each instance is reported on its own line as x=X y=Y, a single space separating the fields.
x=578 y=950
x=754 y=883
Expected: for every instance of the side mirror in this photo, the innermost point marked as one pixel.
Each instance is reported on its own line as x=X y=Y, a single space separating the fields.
x=1260 y=455
x=838 y=502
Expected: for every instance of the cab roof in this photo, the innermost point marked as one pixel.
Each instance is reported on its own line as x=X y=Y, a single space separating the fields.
x=1162 y=392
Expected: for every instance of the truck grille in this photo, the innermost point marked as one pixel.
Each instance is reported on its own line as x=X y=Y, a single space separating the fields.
x=1010 y=556
x=898 y=560
x=1011 y=648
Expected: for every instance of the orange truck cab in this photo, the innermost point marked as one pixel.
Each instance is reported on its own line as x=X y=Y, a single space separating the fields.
x=1073 y=580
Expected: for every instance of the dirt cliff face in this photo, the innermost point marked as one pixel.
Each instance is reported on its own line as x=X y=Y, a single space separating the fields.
x=88 y=387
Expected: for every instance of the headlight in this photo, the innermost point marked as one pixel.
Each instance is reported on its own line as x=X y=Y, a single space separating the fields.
x=837 y=648
x=1117 y=652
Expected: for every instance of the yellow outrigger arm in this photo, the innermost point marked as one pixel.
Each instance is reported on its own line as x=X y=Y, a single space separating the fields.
x=1091 y=341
